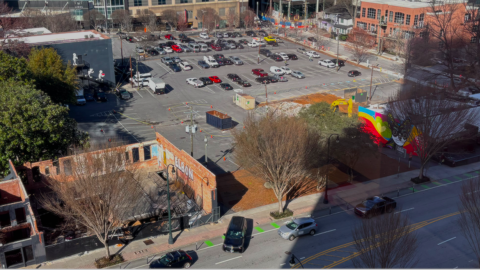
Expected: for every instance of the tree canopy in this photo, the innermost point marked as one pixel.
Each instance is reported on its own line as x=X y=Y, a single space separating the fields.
x=52 y=76
x=32 y=127
x=13 y=68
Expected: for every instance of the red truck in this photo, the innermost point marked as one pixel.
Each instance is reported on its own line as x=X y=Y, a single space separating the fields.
x=259 y=72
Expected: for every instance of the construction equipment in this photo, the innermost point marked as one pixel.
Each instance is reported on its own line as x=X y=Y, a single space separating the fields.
x=343 y=101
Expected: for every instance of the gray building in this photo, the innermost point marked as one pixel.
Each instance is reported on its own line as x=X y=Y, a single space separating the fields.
x=88 y=50
x=22 y=244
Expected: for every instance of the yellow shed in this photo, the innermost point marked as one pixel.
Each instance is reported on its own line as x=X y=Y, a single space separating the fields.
x=245 y=101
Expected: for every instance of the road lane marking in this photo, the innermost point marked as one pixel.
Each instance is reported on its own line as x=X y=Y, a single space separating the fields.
x=264 y=232
x=404 y=210
x=229 y=260
x=325 y=232
x=302 y=258
x=209 y=243
x=445 y=241
x=259 y=229
x=275 y=225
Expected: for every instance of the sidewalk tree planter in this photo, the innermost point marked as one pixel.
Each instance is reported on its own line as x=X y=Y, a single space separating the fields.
x=104 y=262
x=417 y=180
x=286 y=213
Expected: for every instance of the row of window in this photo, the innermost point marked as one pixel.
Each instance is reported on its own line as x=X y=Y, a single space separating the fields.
x=109 y=2
x=139 y=3
x=399 y=17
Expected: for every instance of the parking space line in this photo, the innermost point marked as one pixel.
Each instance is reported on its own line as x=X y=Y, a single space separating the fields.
x=161 y=64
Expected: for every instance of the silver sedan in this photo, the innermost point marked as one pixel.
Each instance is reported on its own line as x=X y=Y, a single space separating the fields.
x=298 y=227
x=236 y=60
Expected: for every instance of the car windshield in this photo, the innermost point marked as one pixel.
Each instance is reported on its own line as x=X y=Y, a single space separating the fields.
x=166 y=259
x=292 y=225
x=368 y=203
x=80 y=97
x=234 y=235
x=100 y=94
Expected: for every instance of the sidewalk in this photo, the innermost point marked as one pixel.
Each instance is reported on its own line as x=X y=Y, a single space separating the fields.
x=307 y=205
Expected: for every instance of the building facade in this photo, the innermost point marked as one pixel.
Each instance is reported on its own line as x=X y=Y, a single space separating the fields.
x=336 y=18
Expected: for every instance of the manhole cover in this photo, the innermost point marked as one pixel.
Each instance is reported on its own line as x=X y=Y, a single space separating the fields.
x=148 y=242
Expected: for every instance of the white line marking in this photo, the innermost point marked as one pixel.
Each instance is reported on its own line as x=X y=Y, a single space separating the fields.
x=229 y=259
x=125 y=128
x=445 y=241
x=302 y=258
x=150 y=92
x=282 y=264
x=210 y=247
x=324 y=232
x=264 y=232
x=405 y=210
x=470 y=261
x=141 y=266
x=455 y=267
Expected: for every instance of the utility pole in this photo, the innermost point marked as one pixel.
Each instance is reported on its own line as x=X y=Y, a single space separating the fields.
x=131 y=71
x=121 y=49
x=323 y=9
x=338 y=43
x=257 y=9
x=206 y=156
x=258 y=58
x=289 y=3
x=306 y=12
x=137 y=72
x=266 y=96
x=191 y=131
x=106 y=15
x=371 y=82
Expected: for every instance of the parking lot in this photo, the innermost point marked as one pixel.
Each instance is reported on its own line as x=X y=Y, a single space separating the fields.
x=138 y=118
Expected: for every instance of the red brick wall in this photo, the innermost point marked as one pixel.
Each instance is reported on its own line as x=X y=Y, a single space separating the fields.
x=200 y=179
x=10 y=192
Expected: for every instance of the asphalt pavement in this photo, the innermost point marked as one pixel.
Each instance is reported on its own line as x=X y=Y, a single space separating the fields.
x=434 y=212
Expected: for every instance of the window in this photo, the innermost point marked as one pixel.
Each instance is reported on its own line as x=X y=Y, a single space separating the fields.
x=390 y=17
x=386 y=14
x=363 y=12
x=441 y=33
x=415 y=20
x=137 y=3
x=13 y=257
x=422 y=16
x=189 y=14
x=467 y=17
x=28 y=253
x=221 y=11
x=371 y=13
x=135 y=155
x=473 y=40
x=362 y=25
x=146 y=153
x=379 y=14
x=231 y=11
x=408 y=20
x=341 y=20
x=390 y=30
x=162 y=2
x=20 y=215
x=5 y=219
x=475 y=28
x=47 y=170
x=37 y=176
x=67 y=167
x=399 y=17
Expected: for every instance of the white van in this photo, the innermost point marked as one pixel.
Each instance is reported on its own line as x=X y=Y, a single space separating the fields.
x=195 y=47
x=204 y=48
x=142 y=75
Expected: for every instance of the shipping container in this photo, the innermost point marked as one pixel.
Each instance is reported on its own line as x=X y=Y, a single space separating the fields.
x=219 y=120
x=245 y=101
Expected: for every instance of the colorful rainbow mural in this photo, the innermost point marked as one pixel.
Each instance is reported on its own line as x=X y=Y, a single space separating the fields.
x=378 y=125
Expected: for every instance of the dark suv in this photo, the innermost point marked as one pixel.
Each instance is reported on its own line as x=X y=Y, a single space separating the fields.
x=174 y=259
x=265 y=52
x=235 y=235
x=99 y=96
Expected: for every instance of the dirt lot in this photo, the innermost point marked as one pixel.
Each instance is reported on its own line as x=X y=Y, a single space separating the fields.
x=242 y=191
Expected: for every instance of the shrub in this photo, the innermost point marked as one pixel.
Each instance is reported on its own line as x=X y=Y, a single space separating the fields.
x=286 y=213
x=104 y=262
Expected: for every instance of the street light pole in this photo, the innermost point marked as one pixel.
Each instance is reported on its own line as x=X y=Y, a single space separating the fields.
x=325 y=199
x=371 y=82
x=338 y=43
x=206 y=143
x=292 y=259
x=170 y=238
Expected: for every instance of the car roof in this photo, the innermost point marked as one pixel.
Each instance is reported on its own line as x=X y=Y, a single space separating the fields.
x=375 y=199
x=303 y=220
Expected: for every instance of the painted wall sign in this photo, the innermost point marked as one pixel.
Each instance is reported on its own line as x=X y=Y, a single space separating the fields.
x=184 y=168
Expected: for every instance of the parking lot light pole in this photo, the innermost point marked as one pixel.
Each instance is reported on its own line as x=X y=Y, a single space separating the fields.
x=170 y=238
x=325 y=198
x=206 y=143
x=258 y=60
x=371 y=82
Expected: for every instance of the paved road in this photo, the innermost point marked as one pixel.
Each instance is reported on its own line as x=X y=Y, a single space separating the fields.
x=434 y=211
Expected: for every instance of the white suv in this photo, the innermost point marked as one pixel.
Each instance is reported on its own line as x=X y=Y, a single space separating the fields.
x=277 y=70
x=203 y=35
x=326 y=63
x=284 y=56
x=185 y=65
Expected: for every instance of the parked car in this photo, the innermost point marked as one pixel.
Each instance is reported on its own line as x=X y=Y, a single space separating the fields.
x=250 y=34
x=297 y=74
x=270 y=38
x=122 y=93
x=326 y=63
x=276 y=70
x=263 y=80
x=204 y=35
x=312 y=39
x=226 y=35
x=174 y=67
x=176 y=48
x=341 y=63
x=276 y=57
x=219 y=35
x=236 y=60
x=252 y=44
x=176 y=59
x=170 y=43
x=243 y=41
x=153 y=52
x=182 y=35
x=243 y=83
x=283 y=55
x=271 y=78
x=262 y=33
x=287 y=70
x=203 y=64
x=185 y=48
x=292 y=56
x=215 y=79
x=233 y=77
x=240 y=46
x=139 y=50
x=218 y=56
x=231 y=46
x=88 y=96
x=160 y=50
x=354 y=73
x=272 y=43
x=166 y=60
x=205 y=80
x=169 y=37
x=313 y=54
x=259 y=72
x=302 y=50
x=226 y=86
x=227 y=61
x=280 y=78
x=195 y=82
x=99 y=96
x=215 y=47
x=265 y=52
x=174 y=259
x=185 y=65
x=235 y=235
x=298 y=227
x=168 y=49
x=375 y=206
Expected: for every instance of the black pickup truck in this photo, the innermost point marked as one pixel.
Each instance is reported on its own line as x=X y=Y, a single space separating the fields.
x=375 y=206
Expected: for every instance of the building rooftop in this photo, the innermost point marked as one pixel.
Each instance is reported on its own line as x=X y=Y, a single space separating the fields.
x=66 y=37
x=405 y=4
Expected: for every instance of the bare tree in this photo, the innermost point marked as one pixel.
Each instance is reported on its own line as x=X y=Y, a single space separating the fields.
x=93 y=19
x=209 y=17
x=12 y=27
x=470 y=214
x=280 y=149
x=63 y=22
x=148 y=20
x=248 y=18
x=95 y=189
x=232 y=19
x=429 y=122
x=360 y=42
x=182 y=23
x=385 y=242
x=123 y=19
x=170 y=17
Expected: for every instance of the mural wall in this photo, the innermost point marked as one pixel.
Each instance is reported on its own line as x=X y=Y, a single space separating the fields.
x=387 y=130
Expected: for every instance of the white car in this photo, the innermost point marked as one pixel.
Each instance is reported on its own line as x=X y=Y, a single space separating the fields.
x=204 y=35
x=195 y=82
x=326 y=63
x=276 y=70
x=313 y=54
x=168 y=49
x=252 y=44
x=286 y=70
x=283 y=55
x=185 y=65
x=297 y=74
x=140 y=50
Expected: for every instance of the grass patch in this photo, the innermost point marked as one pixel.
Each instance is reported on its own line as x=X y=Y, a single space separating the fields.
x=104 y=262
x=286 y=213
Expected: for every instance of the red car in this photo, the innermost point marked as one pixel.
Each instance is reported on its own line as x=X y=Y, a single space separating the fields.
x=215 y=79
x=259 y=72
x=215 y=47
x=170 y=37
x=176 y=48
